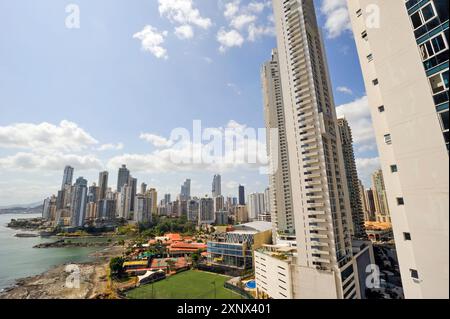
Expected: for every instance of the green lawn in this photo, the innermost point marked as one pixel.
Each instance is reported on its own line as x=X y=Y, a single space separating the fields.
x=190 y=284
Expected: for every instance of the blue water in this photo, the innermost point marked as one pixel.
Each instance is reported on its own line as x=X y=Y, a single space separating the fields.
x=18 y=258
x=251 y=284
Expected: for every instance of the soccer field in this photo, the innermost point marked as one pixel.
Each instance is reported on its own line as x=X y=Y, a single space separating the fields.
x=190 y=284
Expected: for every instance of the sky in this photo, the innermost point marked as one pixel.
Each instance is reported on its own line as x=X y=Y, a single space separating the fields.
x=99 y=83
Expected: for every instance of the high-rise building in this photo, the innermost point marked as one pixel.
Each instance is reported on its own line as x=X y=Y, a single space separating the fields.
x=143 y=188
x=404 y=60
x=79 y=200
x=154 y=198
x=382 y=214
x=192 y=210
x=217 y=186
x=256 y=205
x=46 y=209
x=280 y=186
x=364 y=203
x=267 y=200
x=320 y=201
x=185 y=193
x=370 y=205
x=241 y=195
x=206 y=211
x=219 y=203
x=103 y=184
x=122 y=177
x=106 y=209
x=352 y=179
x=142 y=208
x=167 y=199
x=67 y=177
x=132 y=182
x=93 y=194
x=241 y=214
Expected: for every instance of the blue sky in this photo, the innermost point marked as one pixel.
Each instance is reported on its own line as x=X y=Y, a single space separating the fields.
x=85 y=96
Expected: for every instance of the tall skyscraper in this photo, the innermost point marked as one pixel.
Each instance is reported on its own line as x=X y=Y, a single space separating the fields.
x=324 y=262
x=103 y=184
x=241 y=195
x=122 y=177
x=185 y=193
x=167 y=199
x=352 y=179
x=380 y=198
x=280 y=186
x=256 y=205
x=143 y=188
x=79 y=200
x=142 y=208
x=404 y=60
x=132 y=182
x=365 y=205
x=67 y=177
x=370 y=205
x=217 y=186
x=206 y=211
x=154 y=198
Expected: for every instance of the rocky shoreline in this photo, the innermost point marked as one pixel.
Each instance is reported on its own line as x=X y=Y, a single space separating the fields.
x=69 y=244
x=54 y=284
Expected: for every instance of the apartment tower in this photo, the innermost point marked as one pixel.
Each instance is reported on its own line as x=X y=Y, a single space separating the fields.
x=280 y=186
x=403 y=50
x=352 y=179
x=320 y=201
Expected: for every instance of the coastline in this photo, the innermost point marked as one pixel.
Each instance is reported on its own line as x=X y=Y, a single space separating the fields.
x=51 y=284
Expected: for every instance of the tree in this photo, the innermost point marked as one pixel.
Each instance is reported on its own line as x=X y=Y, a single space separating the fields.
x=116 y=266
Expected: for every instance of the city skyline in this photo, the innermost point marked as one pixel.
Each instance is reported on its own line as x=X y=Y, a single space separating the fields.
x=92 y=145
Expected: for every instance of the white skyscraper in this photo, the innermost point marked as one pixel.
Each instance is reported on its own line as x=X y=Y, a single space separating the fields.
x=256 y=205
x=280 y=184
x=404 y=59
x=323 y=266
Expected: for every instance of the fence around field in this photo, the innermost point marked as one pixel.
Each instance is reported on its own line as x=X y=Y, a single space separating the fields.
x=244 y=294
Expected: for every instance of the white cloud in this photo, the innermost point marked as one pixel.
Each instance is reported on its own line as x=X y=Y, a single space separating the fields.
x=208 y=60
x=229 y=39
x=244 y=19
x=365 y=167
x=236 y=150
x=235 y=88
x=66 y=136
x=337 y=17
x=49 y=162
x=111 y=147
x=156 y=140
x=345 y=90
x=184 y=32
x=231 y=9
x=152 y=40
x=254 y=32
x=183 y=12
x=358 y=115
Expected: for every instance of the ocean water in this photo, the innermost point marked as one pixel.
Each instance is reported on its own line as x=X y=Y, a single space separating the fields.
x=18 y=258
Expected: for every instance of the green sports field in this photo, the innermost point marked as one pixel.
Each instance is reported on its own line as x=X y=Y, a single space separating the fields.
x=190 y=284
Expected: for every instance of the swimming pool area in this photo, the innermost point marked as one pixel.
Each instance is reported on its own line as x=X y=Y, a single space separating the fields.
x=251 y=284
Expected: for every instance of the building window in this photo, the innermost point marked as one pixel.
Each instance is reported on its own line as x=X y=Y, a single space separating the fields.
x=375 y=82
x=381 y=109
x=388 y=139
x=407 y=236
x=364 y=35
x=358 y=12
x=370 y=57
x=414 y=274
x=394 y=168
x=423 y=15
x=400 y=201
x=433 y=47
x=439 y=82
